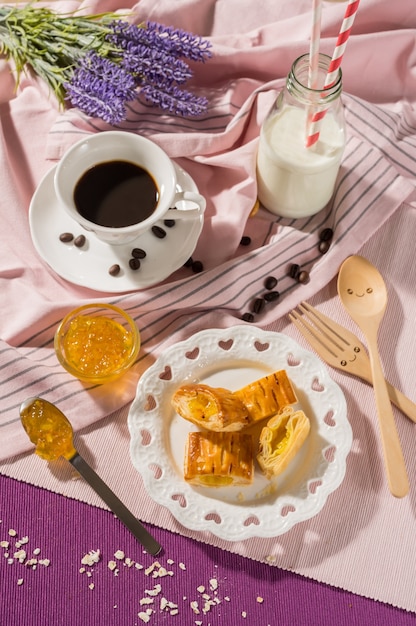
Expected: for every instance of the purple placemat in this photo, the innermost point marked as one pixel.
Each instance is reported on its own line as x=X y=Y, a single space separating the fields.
x=45 y=537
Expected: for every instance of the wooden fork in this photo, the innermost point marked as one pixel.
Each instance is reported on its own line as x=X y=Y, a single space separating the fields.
x=341 y=349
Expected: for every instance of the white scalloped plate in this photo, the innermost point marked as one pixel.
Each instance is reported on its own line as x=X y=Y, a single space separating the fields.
x=232 y=358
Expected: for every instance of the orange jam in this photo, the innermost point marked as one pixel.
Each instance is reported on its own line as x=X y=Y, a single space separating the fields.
x=49 y=429
x=96 y=346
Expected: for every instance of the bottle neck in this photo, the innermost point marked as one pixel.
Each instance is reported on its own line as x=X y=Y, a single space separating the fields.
x=312 y=90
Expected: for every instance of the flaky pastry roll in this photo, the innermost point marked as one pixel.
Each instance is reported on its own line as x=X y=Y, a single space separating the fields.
x=218 y=459
x=266 y=396
x=213 y=408
x=281 y=440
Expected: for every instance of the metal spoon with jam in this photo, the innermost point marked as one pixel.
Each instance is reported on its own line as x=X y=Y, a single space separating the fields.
x=51 y=432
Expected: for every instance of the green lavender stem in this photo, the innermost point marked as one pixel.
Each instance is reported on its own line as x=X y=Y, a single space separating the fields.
x=50 y=43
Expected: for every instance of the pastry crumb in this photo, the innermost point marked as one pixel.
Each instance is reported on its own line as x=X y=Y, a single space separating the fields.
x=145 y=617
x=194 y=607
x=20 y=555
x=92 y=557
x=119 y=555
x=153 y=592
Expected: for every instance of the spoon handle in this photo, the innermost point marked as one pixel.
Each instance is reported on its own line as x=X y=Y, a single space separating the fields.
x=393 y=456
x=402 y=402
x=118 y=508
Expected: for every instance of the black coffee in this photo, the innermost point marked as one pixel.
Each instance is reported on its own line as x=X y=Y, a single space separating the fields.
x=116 y=194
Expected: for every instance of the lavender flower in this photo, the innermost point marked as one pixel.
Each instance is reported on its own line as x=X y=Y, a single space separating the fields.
x=146 y=58
x=175 y=100
x=154 y=66
x=172 y=41
x=153 y=55
x=178 y=42
x=101 y=88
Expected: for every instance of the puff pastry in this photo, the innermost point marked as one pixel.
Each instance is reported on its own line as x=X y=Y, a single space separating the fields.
x=213 y=408
x=218 y=459
x=281 y=440
x=266 y=396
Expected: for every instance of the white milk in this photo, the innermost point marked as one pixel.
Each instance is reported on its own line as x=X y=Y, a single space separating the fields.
x=295 y=181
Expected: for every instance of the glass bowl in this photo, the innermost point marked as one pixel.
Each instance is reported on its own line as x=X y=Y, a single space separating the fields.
x=97 y=343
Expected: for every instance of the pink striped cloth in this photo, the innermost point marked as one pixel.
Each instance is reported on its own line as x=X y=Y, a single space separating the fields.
x=253 y=51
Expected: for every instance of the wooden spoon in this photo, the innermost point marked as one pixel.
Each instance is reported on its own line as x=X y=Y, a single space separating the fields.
x=363 y=293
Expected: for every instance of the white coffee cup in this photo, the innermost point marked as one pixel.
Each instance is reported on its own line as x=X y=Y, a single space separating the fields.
x=111 y=146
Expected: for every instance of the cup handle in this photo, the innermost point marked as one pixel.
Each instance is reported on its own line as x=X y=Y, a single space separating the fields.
x=187 y=214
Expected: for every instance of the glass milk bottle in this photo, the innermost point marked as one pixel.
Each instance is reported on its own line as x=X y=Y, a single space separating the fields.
x=296 y=180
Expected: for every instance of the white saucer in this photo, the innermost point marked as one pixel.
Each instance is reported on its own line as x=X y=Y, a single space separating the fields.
x=89 y=265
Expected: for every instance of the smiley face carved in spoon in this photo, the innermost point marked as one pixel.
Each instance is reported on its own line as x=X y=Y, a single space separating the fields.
x=351 y=292
x=362 y=289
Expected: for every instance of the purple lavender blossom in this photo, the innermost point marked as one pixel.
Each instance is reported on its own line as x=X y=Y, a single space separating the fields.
x=175 y=100
x=145 y=59
x=101 y=88
x=154 y=66
x=172 y=41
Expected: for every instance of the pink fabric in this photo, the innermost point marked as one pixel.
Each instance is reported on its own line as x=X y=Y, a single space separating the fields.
x=361 y=540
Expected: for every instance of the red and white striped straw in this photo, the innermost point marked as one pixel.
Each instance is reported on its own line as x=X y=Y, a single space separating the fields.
x=315 y=44
x=334 y=65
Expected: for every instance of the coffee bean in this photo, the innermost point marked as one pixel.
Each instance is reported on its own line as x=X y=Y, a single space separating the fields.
x=294 y=270
x=197 y=267
x=258 y=305
x=169 y=223
x=303 y=277
x=271 y=296
x=79 y=241
x=158 y=232
x=114 y=270
x=326 y=234
x=324 y=246
x=245 y=240
x=270 y=282
x=248 y=317
x=134 y=264
x=138 y=253
x=66 y=237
